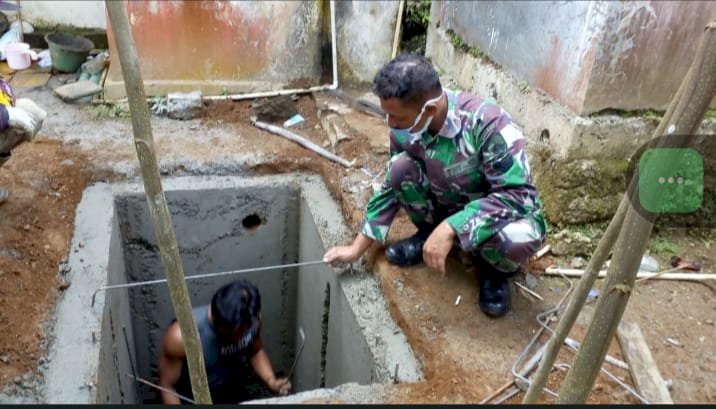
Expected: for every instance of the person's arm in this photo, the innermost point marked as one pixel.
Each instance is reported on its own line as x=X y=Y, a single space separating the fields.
x=348 y=254
x=170 y=362
x=379 y=214
x=262 y=365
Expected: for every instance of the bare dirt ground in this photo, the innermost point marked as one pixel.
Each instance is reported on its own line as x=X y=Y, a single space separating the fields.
x=465 y=354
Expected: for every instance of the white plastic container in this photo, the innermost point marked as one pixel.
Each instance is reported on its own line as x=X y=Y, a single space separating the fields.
x=19 y=56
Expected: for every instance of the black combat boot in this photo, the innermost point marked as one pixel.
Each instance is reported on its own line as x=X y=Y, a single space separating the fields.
x=495 y=295
x=408 y=252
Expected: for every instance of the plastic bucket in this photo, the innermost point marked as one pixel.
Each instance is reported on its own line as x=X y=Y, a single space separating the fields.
x=19 y=56
x=68 y=51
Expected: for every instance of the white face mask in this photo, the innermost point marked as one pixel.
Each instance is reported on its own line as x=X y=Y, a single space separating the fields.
x=405 y=133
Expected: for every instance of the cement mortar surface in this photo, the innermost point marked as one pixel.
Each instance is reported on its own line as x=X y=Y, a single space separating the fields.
x=349 y=393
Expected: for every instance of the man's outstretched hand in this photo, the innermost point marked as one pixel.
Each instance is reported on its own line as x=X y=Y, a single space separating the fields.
x=348 y=254
x=340 y=254
x=437 y=247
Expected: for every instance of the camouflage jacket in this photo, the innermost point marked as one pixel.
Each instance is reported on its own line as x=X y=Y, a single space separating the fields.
x=477 y=169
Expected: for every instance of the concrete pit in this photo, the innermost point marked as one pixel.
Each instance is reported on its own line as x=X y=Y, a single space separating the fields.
x=222 y=225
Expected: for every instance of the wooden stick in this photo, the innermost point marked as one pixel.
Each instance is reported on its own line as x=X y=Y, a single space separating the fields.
x=301 y=141
x=662 y=275
x=544 y=250
x=398 y=26
x=643 y=369
x=156 y=200
x=163 y=389
x=530 y=292
x=659 y=274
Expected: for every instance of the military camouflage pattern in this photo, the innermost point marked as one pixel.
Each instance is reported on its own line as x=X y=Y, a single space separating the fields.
x=474 y=174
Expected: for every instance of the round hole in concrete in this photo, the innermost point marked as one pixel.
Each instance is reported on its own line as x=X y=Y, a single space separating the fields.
x=251 y=222
x=544 y=135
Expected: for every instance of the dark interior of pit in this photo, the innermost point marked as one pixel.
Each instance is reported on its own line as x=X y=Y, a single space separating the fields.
x=224 y=230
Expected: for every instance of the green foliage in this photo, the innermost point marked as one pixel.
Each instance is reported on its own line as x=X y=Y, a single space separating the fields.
x=417 y=13
x=460 y=44
x=663 y=247
x=107 y=110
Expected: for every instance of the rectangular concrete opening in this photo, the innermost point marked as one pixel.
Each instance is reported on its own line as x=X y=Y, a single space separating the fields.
x=220 y=231
x=103 y=336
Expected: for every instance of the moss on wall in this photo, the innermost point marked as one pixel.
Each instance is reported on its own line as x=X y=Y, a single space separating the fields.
x=578 y=190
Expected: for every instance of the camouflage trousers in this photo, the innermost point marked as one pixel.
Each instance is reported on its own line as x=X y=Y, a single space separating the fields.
x=506 y=250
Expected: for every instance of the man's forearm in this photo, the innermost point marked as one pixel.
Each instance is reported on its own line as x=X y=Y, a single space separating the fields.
x=262 y=366
x=169 y=398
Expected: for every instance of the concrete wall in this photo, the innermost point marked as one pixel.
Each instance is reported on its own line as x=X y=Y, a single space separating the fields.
x=220 y=46
x=88 y=358
x=250 y=46
x=336 y=351
x=587 y=55
x=117 y=349
x=81 y=14
x=365 y=32
x=579 y=162
x=211 y=238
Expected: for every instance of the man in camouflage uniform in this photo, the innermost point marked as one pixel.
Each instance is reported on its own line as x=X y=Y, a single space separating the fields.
x=19 y=122
x=459 y=170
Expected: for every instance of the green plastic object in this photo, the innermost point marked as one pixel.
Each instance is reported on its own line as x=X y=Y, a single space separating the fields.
x=68 y=51
x=671 y=180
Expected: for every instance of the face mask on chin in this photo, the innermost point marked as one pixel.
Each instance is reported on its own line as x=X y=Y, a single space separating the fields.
x=405 y=134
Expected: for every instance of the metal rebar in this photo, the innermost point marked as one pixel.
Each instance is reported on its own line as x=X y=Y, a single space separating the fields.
x=131 y=361
x=300 y=349
x=542 y=319
x=197 y=276
x=548 y=313
x=161 y=388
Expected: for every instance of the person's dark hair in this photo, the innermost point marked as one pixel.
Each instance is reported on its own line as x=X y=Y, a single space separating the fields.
x=408 y=77
x=235 y=304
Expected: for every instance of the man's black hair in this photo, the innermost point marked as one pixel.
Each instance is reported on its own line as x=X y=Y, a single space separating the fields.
x=408 y=77
x=235 y=304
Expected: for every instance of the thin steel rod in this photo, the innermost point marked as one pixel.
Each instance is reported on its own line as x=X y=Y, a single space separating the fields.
x=161 y=388
x=131 y=361
x=197 y=276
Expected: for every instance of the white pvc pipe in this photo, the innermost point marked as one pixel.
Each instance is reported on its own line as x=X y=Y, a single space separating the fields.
x=332 y=86
x=572 y=272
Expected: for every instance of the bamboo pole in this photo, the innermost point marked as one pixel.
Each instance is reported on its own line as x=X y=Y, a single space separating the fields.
x=698 y=92
x=398 y=29
x=598 y=258
x=158 y=209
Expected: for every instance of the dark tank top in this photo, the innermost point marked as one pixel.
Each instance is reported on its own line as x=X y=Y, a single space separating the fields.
x=227 y=366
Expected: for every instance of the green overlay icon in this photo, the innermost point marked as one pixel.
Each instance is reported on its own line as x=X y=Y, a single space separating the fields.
x=671 y=180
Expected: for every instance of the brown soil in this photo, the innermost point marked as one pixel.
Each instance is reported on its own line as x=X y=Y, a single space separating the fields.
x=46 y=181
x=465 y=354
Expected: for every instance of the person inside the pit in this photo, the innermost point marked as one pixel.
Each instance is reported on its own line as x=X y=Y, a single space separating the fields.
x=458 y=169
x=20 y=121
x=230 y=333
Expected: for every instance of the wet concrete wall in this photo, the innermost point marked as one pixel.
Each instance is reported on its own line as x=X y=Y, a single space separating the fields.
x=212 y=238
x=117 y=349
x=335 y=351
x=350 y=336
x=587 y=55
